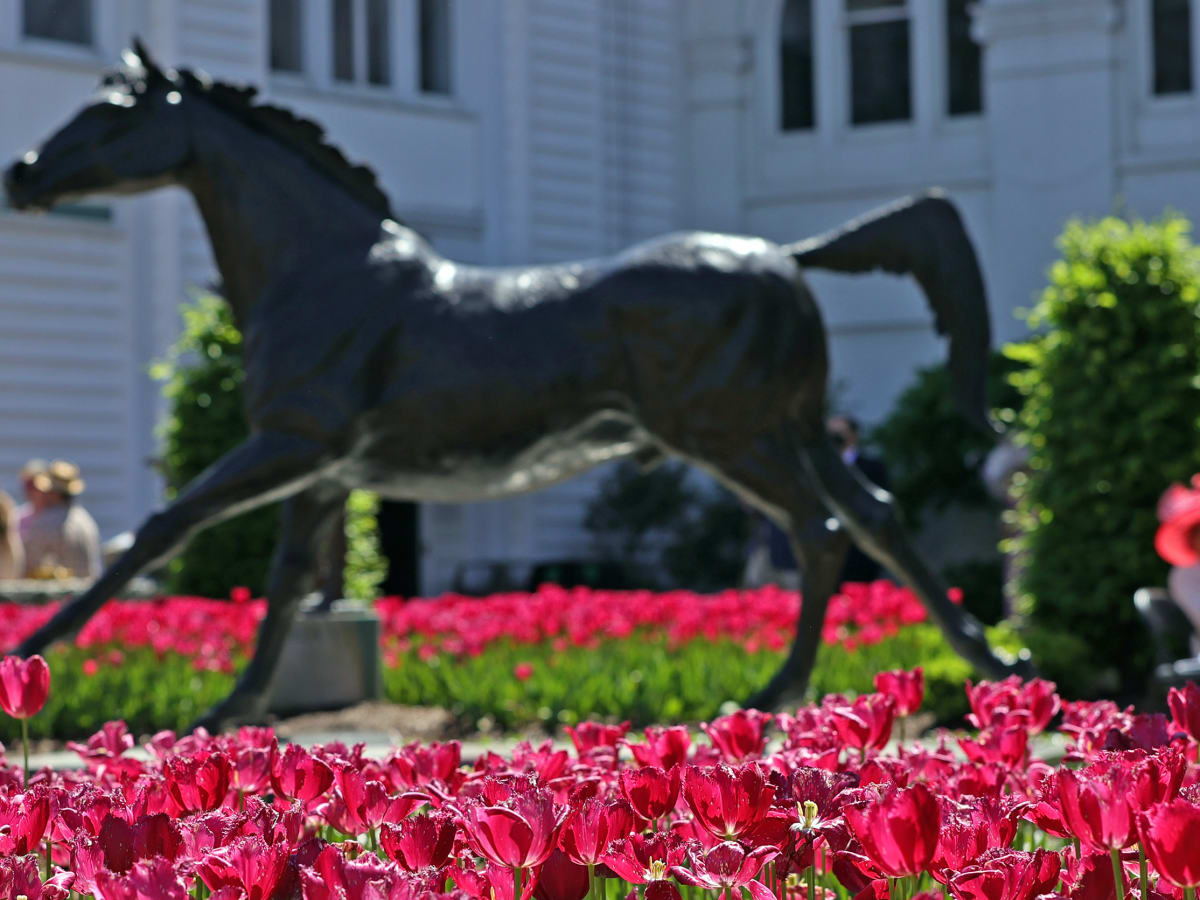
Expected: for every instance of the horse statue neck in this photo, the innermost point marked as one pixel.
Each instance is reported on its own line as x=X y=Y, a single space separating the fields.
x=267 y=209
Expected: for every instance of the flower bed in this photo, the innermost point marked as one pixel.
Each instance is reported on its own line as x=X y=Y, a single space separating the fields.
x=830 y=813
x=554 y=656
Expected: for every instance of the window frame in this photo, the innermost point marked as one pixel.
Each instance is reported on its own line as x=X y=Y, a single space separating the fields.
x=317 y=56
x=1145 y=24
x=850 y=19
x=104 y=43
x=778 y=73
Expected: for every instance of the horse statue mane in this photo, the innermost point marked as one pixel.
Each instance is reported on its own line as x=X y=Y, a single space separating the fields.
x=303 y=135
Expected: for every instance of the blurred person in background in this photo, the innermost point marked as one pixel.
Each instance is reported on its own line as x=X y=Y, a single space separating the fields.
x=845 y=432
x=12 y=553
x=60 y=536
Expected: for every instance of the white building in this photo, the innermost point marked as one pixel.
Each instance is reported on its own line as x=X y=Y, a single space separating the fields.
x=531 y=130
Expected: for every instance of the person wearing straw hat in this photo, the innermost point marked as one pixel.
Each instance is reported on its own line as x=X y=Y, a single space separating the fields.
x=60 y=536
x=1178 y=542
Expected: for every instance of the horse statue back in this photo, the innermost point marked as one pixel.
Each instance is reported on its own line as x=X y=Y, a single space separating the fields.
x=372 y=361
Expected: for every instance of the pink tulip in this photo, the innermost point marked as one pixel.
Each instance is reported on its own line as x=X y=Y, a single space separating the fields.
x=651 y=792
x=906 y=688
x=24 y=685
x=590 y=828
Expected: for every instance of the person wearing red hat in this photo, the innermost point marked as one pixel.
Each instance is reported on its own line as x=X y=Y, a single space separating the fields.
x=1178 y=542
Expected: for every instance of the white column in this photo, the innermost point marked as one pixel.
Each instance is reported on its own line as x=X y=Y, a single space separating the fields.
x=1051 y=69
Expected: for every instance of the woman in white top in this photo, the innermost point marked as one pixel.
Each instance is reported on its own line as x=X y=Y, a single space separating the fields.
x=1178 y=542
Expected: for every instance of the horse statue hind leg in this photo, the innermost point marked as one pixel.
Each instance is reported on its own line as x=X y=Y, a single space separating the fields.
x=796 y=475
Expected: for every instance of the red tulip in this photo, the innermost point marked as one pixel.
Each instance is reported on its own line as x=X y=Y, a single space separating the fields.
x=197 y=783
x=906 y=688
x=970 y=829
x=1033 y=703
x=1170 y=833
x=642 y=859
x=1005 y=745
x=153 y=879
x=1185 y=709
x=361 y=805
x=1156 y=778
x=420 y=841
x=1095 y=807
x=865 y=724
x=249 y=864
x=561 y=879
x=416 y=766
x=298 y=775
x=24 y=685
x=589 y=736
x=591 y=827
x=899 y=830
x=740 y=735
x=517 y=836
x=19 y=877
x=664 y=747
x=727 y=865
x=334 y=877
x=1003 y=874
x=725 y=801
x=23 y=820
x=650 y=791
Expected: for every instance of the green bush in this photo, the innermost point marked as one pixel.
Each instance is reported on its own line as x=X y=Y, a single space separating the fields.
x=202 y=374
x=934 y=455
x=1111 y=416
x=667 y=531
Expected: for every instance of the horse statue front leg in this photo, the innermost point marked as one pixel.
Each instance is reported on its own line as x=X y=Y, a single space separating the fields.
x=309 y=522
x=266 y=467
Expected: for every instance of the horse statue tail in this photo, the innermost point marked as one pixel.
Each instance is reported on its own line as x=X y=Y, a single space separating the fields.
x=923 y=236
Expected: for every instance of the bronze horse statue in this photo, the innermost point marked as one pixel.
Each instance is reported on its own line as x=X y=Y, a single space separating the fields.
x=374 y=362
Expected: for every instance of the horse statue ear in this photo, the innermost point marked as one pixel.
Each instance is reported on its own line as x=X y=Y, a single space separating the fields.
x=153 y=72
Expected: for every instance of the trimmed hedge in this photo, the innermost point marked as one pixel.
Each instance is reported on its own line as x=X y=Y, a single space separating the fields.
x=1112 y=415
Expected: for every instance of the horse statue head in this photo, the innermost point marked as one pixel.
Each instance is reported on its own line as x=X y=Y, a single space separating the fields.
x=131 y=137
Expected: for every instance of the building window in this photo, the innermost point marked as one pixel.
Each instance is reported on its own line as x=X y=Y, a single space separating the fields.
x=69 y=21
x=433 y=27
x=964 y=59
x=796 y=112
x=880 y=74
x=287 y=33
x=1171 y=30
x=361 y=41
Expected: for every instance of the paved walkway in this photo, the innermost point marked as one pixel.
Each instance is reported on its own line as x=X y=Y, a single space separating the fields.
x=377 y=744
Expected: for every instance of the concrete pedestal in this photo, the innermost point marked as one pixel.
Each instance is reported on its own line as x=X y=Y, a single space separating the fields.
x=330 y=660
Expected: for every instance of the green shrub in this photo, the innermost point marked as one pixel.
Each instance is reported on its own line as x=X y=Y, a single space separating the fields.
x=934 y=455
x=1111 y=416
x=202 y=374
x=667 y=531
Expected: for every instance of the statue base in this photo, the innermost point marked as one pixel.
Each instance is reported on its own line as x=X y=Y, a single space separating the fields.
x=330 y=660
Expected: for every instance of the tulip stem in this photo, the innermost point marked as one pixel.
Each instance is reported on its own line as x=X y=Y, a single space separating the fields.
x=812 y=880
x=1189 y=893
x=1118 y=873
x=48 y=861
x=517 y=883
x=591 y=881
x=25 y=748
x=1143 y=872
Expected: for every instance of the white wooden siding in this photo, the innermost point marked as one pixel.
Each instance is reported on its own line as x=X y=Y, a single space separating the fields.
x=66 y=356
